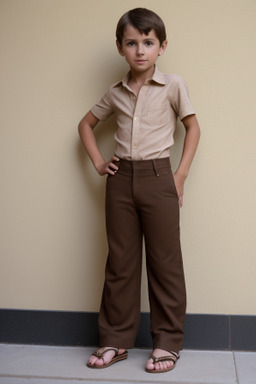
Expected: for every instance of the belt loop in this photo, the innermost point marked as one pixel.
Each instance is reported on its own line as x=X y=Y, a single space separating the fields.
x=155 y=167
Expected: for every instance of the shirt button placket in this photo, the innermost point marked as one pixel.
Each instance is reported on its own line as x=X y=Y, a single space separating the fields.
x=135 y=136
x=136 y=121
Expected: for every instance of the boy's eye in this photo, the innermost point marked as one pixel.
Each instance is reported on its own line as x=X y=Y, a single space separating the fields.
x=148 y=43
x=130 y=43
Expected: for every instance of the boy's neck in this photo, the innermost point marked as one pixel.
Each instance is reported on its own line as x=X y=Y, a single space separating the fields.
x=138 y=79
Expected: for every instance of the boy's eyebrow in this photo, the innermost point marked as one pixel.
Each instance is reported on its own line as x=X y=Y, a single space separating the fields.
x=146 y=39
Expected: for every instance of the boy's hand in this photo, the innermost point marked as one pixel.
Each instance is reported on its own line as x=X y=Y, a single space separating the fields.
x=108 y=167
x=179 y=184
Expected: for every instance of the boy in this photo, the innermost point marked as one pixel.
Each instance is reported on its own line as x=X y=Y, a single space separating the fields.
x=142 y=196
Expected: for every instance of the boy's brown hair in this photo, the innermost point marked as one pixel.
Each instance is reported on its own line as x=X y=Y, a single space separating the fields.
x=144 y=20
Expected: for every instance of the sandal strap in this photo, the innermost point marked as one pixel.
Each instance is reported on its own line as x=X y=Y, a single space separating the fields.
x=100 y=355
x=174 y=357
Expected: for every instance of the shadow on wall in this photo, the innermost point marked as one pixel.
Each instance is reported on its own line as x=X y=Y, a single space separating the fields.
x=94 y=183
x=177 y=148
x=93 y=210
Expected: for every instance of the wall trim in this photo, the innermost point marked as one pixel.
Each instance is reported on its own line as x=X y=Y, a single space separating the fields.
x=202 y=331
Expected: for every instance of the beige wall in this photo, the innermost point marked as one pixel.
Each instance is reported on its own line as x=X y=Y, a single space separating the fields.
x=57 y=58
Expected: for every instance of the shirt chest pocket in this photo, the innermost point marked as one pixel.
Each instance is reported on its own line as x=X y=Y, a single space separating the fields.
x=158 y=113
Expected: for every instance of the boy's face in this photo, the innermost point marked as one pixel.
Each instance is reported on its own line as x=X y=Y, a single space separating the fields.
x=140 y=51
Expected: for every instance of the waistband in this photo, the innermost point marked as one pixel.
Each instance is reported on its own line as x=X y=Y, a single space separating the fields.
x=142 y=165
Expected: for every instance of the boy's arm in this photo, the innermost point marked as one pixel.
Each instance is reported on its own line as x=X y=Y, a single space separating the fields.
x=85 y=129
x=190 y=145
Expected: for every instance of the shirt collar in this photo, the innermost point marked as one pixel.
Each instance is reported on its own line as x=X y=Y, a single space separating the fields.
x=158 y=77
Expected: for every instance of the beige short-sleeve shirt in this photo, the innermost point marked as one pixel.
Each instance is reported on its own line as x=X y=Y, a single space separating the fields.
x=145 y=124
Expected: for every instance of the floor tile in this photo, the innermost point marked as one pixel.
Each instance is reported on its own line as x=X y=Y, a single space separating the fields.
x=43 y=362
x=203 y=367
x=246 y=367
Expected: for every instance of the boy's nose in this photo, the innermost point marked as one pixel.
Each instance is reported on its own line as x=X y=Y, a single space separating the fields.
x=140 y=50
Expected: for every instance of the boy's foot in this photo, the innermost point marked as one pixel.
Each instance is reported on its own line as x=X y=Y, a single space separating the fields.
x=104 y=357
x=161 y=361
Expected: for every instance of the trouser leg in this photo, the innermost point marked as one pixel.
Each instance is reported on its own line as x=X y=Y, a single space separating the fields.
x=160 y=221
x=120 y=308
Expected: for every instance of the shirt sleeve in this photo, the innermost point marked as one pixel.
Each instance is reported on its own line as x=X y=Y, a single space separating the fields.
x=103 y=109
x=180 y=100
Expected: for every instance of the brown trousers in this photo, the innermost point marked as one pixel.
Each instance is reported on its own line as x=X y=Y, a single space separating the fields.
x=141 y=200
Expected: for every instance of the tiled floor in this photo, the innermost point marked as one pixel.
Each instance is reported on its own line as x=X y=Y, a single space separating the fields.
x=24 y=364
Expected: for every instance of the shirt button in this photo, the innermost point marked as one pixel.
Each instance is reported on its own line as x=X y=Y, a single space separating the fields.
x=136 y=118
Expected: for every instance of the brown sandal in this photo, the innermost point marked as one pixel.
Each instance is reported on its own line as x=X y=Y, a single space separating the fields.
x=115 y=359
x=174 y=357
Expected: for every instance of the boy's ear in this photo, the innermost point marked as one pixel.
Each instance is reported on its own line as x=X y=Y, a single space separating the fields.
x=119 y=47
x=163 y=48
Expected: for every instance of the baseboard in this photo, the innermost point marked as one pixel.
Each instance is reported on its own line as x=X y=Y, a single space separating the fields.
x=205 y=332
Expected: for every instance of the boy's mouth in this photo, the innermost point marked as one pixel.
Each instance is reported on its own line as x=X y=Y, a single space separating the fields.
x=140 y=61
